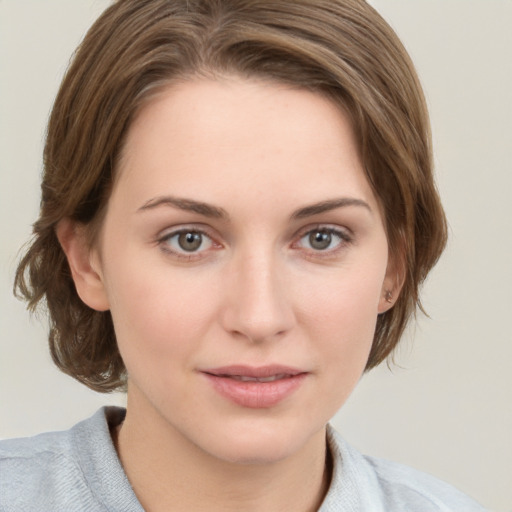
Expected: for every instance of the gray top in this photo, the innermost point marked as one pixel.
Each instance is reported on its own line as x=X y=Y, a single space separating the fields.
x=78 y=470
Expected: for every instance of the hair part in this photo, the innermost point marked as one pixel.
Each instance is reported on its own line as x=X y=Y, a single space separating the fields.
x=340 y=48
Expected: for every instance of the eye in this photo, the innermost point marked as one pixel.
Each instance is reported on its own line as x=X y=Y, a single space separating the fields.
x=323 y=239
x=186 y=241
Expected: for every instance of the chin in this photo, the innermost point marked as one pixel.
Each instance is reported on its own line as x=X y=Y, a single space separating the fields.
x=252 y=454
x=260 y=442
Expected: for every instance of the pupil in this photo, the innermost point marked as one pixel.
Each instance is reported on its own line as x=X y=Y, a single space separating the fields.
x=320 y=240
x=190 y=241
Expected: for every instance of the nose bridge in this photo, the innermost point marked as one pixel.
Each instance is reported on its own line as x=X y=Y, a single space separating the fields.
x=259 y=306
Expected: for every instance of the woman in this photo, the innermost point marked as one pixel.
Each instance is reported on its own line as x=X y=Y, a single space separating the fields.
x=238 y=210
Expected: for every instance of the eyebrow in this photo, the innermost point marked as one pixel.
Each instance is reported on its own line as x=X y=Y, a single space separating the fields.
x=189 y=205
x=330 y=204
x=216 y=212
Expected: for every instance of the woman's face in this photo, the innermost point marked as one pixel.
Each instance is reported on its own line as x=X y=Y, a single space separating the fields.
x=244 y=260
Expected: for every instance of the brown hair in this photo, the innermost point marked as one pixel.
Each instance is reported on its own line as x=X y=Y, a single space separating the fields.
x=341 y=48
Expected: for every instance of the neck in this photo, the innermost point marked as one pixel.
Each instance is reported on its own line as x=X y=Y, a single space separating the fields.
x=167 y=472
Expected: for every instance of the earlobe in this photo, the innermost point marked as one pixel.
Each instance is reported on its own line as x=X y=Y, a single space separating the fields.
x=387 y=300
x=84 y=265
x=392 y=286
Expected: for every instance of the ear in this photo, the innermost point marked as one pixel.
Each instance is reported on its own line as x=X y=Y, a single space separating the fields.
x=84 y=263
x=393 y=283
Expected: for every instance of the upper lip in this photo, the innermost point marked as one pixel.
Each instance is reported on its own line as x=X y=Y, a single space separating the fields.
x=253 y=371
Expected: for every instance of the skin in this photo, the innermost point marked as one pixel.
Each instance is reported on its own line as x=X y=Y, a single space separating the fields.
x=256 y=292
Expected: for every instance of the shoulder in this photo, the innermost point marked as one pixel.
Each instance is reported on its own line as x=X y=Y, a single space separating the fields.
x=374 y=484
x=33 y=469
x=407 y=486
x=47 y=471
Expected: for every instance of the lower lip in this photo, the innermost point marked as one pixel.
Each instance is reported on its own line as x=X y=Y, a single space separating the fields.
x=256 y=395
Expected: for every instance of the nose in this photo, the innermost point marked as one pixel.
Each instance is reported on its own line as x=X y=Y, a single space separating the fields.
x=258 y=304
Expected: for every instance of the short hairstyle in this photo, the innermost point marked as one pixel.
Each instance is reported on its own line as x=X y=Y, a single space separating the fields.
x=339 y=48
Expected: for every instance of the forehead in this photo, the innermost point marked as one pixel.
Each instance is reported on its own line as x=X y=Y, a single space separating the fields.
x=243 y=137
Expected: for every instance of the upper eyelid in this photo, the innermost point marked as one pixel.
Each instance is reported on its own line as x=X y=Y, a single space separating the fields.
x=344 y=231
x=175 y=230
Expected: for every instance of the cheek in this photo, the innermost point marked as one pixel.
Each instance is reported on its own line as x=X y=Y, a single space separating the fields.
x=348 y=298
x=341 y=315
x=158 y=315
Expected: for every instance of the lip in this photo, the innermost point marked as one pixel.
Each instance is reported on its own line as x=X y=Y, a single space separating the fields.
x=255 y=387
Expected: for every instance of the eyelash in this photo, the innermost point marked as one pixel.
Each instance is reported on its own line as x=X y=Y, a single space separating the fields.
x=164 y=243
x=344 y=239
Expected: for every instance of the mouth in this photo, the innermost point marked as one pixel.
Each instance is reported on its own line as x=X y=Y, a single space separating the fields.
x=246 y=378
x=255 y=387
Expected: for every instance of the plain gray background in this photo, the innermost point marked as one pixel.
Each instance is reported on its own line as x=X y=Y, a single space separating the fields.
x=447 y=407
